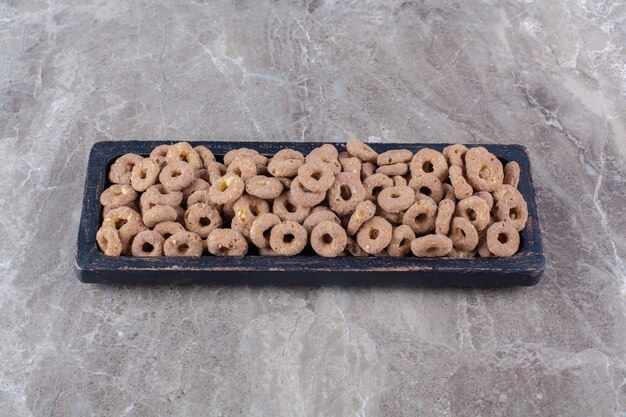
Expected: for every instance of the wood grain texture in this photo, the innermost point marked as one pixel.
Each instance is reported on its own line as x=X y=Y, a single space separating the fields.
x=524 y=268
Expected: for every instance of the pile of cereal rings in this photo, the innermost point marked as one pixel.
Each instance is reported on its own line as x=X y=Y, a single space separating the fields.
x=183 y=201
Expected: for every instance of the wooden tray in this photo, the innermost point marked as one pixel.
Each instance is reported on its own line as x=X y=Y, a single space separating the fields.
x=524 y=268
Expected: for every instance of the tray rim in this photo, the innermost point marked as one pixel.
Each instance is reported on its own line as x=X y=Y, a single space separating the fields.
x=92 y=266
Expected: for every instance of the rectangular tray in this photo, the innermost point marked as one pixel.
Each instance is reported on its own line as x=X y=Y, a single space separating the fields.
x=524 y=268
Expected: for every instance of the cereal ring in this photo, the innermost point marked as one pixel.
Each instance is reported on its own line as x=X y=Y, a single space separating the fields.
x=127 y=234
x=288 y=154
x=145 y=174
x=483 y=170
x=205 y=154
x=327 y=155
x=354 y=249
x=428 y=185
x=511 y=174
x=183 y=244
x=401 y=239
x=300 y=196
x=421 y=216
x=475 y=152
x=374 y=235
x=463 y=235
x=319 y=216
x=285 y=163
x=485 y=196
x=247 y=153
x=147 y=243
x=316 y=176
x=107 y=210
x=455 y=154
x=288 y=238
x=431 y=246
x=346 y=193
x=242 y=167
x=482 y=248
x=215 y=171
x=474 y=209
x=362 y=151
x=399 y=180
x=157 y=195
x=167 y=229
x=392 y=170
x=448 y=192
x=267 y=188
x=261 y=229
x=328 y=239
x=196 y=185
x=109 y=241
x=394 y=156
x=363 y=212
x=246 y=209
x=227 y=242
x=351 y=165
x=284 y=209
x=513 y=210
x=176 y=175
x=367 y=170
x=183 y=151
x=326 y=149
x=395 y=199
x=429 y=161
x=118 y=195
x=342 y=156
x=461 y=188
x=374 y=184
x=502 y=239
x=122 y=168
x=393 y=218
x=226 y=189
x=180 y=214
x=158 y=214
x=506 y=191
x=158 y=155
x=120 y=216
x=202 y=219
x=444 y=216
x=461 y=254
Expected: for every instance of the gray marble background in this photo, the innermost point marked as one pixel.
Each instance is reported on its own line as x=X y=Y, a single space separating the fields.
x=548 y=74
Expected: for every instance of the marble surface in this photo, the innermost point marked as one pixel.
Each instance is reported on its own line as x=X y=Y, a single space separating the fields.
x=548 y=74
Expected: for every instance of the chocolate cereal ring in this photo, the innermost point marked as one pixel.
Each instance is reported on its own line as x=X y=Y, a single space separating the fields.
x=401 y=239
x=394 y=156
x=288 y=238
x=145 y=174
x=227 y=189
x=132 y=205
x=267 y=188
x=428 y=185
x=176 y=175
x=511 y=174
x=183 y=244
x=122 y=168
x=147 y=243
x=421 y=216
x=158 y=155
x=183 y=151
x=300 y=196
x=485 y=196
x=284 y=209
x=227 y=242
x=346 y=193
x=120 y=216
x=202 y=219
x=316 y=176
x=242 y=167
x=362 y=151
x=158 y=196
x=363 y=212
x=215 y=171
x=328 y=239
x=502 y=239
x=197 y=184
x=463 y=235
x=109 y=241
x=483 y=170
x=445 y=212
x=127 y=234
x=319 y=216
x=167 y=229
x=246 y=209
x=396 y=169
x=395 y=199
x=474 y=209
x=367 y=170
x=247 y=153
x=205 y=154
x=461 y=187
x=431 y=246
x=158 y=214
x=374 y=184
x=393 y=218
x=429 y=161
x=351 y=165
x=261 y=229
x=285 y=163
x=326 y=154
x=455 y=154
x=506 y=191
x=374 y=235
x=118 y=195
x=513 y=210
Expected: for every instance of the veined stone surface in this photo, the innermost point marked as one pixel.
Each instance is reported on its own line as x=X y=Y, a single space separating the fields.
x=547 y=74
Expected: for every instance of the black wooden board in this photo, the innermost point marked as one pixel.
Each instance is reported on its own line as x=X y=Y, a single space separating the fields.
x=524 y=268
